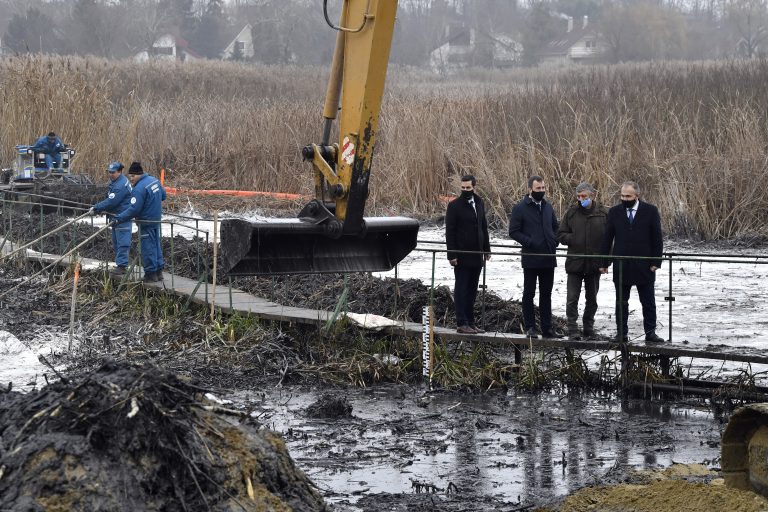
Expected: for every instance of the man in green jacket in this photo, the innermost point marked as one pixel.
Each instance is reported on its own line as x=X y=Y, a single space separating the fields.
x=582 y=229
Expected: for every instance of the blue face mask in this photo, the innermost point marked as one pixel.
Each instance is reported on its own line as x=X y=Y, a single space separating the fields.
x=586 y=202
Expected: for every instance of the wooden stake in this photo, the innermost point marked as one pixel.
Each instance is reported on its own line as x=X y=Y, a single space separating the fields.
x=215 y=258
x=74 y=302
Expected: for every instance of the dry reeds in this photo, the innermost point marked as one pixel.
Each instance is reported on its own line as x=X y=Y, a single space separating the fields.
x=692 y=134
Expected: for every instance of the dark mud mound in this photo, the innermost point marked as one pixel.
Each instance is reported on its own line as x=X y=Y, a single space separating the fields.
x=329 y=406
x=31 y=307
x=138 y=438
x=399 y=299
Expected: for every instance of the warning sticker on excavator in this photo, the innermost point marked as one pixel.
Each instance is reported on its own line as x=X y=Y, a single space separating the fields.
x=348 y=151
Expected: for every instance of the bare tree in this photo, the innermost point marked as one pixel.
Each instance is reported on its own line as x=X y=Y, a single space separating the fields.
x=643 y=31
x=748 y=20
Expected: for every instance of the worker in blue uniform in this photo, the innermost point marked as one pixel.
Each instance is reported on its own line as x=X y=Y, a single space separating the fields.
x=51 y=146
x=118 y=199
x=146 y=206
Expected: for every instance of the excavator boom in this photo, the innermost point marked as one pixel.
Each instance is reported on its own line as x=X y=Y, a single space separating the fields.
x=331 y=233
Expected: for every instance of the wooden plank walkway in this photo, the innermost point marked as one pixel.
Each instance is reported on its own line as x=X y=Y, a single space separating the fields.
x=245 y=303
x=237 y=301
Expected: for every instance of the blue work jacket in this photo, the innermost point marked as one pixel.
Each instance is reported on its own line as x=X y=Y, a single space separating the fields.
x=146 y=201
x=43 y=146
x=118 y=197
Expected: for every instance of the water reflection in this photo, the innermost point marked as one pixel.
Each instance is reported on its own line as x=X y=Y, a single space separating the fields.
x=535 y=447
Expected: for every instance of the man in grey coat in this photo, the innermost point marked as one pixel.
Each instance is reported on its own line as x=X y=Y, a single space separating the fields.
x=582 y=229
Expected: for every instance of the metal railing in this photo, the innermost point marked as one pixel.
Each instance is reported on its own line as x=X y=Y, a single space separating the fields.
x=669 y=257
x=177 y=222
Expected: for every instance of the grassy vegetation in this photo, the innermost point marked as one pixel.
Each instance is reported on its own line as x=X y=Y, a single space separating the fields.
x=692 y=134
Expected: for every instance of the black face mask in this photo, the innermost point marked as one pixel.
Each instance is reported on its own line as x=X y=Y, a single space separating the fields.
x=628 y=204
x=467 y=194
x=537 y=196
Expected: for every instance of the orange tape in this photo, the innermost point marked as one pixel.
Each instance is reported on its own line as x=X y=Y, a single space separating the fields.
x=236 y=193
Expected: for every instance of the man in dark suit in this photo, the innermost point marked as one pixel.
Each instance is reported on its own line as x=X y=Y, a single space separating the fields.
x=466 y=229
x=634 y=229
x=533 y=224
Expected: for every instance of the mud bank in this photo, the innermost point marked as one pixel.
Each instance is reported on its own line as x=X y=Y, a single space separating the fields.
x=137 y=438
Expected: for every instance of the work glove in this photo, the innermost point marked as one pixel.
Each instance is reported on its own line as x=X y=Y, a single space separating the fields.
x=92 y=211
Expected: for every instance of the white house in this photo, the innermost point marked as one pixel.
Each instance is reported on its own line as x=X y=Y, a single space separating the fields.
x=242 y=42
x=168 y=47
x=580 y=44
x=466 y=47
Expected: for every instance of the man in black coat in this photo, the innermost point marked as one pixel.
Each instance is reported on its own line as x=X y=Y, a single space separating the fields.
x=466 y=229
x=634 y=229
x=533 y=224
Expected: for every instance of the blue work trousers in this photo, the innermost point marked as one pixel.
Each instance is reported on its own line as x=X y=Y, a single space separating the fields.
x=53 y=161
x=121 y=242
x=151 y=251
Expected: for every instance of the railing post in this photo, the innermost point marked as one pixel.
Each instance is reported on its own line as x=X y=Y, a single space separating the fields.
x=206 y=267
x=620 y=301
x=482 y=299
x=432 y=287
x=141 y=260
x=197 y=246
x=670 y=298
x=397 y=291
x=173 y=259
x=42 y=227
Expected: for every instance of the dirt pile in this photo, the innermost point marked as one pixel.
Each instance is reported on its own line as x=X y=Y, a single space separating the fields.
x=398 y=299
x=138 y=438
x=679 y=488
x=329 y=406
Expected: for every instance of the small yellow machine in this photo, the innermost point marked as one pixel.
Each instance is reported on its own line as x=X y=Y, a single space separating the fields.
x=331 y=234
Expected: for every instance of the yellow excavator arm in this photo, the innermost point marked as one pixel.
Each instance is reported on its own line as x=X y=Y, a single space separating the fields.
x=331 y=234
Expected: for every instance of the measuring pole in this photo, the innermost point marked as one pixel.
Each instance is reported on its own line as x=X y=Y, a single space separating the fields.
x=427 y=343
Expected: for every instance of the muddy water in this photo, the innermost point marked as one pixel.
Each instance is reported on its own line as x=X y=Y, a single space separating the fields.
x=493 y=450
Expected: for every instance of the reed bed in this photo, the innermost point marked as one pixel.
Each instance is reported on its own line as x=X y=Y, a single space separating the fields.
x=692 y=134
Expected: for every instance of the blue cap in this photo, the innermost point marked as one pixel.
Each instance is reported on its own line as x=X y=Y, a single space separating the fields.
x=115 y=167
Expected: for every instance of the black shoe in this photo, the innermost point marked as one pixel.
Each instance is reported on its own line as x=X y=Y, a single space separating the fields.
x=465 y=329
x=654 y=338
x=589 y=334
x=574 y=335
x=150 y=277
x=119 y=272
x=621 y=338
x=159 y=275
x=531 y=333
x=477 y=329
x=551 y=333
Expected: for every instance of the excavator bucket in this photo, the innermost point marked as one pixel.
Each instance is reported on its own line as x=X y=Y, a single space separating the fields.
x=744 y=449
x=294 y=246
